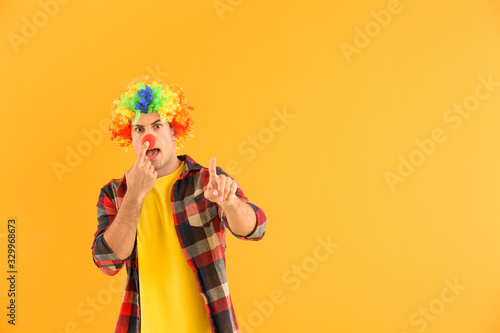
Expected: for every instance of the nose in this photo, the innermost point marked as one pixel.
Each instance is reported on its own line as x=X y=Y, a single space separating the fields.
x=151 y=138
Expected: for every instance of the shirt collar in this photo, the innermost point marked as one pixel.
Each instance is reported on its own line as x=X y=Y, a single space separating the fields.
x=189 y=163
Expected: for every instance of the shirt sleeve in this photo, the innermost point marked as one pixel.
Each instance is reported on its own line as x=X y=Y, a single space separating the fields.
x=104 y=258
x=260 y=227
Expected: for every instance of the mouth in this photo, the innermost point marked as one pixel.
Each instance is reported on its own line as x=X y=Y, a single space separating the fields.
x=152 y=153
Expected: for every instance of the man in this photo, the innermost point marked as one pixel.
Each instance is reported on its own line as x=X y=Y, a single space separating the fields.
x=166 y=221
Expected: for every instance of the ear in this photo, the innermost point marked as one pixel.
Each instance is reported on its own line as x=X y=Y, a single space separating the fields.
x=172 y=132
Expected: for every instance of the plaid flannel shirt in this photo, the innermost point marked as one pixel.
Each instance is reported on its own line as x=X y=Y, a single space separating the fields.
x=200 y=226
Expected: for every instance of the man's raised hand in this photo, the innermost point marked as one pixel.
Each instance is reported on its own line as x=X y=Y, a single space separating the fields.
x=142 y=175
x=220 y=189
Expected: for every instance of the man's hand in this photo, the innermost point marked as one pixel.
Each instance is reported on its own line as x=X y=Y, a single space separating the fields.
x=121 y=234
x=142 y=175
x=220 y=189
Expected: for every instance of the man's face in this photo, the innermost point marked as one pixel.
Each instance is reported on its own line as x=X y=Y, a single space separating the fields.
x=150 y=123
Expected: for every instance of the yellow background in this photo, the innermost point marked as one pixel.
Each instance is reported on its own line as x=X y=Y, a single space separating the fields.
x=320 y=174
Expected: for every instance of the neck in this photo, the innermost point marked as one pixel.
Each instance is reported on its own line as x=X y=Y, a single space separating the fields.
x=170 y=167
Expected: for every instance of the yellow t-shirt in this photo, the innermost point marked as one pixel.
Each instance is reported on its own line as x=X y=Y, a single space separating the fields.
x=169 y=297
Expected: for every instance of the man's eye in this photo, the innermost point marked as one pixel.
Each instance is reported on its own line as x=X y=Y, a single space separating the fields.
x=158 y=125
x=137 y=129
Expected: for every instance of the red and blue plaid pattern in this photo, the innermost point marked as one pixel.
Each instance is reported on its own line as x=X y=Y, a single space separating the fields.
x=201 y=228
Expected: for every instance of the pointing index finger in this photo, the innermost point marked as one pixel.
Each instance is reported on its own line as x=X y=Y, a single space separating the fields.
x=212 y=171
x=142 y=154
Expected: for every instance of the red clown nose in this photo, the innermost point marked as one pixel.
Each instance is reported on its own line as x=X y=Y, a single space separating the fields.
x=151 y=139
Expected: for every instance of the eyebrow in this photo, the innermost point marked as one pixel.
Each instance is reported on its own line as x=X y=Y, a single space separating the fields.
x=158 y=120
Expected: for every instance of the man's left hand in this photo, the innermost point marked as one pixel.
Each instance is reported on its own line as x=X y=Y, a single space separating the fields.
x=220 y=189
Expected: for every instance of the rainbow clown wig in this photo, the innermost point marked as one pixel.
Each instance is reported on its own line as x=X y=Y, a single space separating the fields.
x=147 y=96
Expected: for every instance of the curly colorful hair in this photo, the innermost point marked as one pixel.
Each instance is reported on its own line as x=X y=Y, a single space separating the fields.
x=146 y=96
